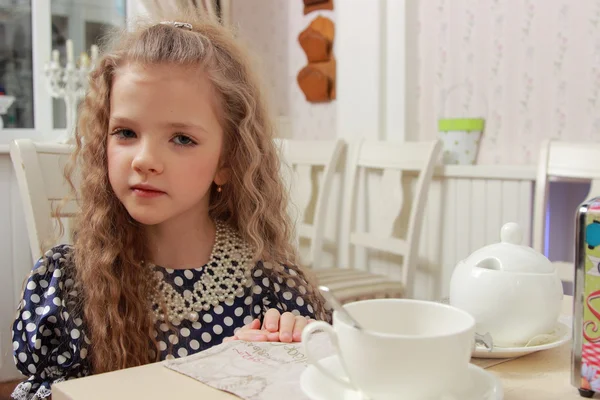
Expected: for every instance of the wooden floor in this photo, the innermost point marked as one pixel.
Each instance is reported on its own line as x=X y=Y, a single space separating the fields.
x=6 y=389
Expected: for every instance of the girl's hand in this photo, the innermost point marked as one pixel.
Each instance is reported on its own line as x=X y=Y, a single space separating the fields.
x=276 y=327
x=288 y=325
x=253 y=333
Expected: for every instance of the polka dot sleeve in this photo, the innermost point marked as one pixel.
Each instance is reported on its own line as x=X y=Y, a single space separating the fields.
x=280 y=289
x=47 y=341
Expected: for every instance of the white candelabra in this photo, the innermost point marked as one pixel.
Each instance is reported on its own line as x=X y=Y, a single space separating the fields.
x=70 y=82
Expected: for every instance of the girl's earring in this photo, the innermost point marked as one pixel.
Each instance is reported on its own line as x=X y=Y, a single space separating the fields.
x=219 y=189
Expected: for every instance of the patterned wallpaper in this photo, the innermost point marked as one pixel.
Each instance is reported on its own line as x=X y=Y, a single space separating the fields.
x=263 y=26
x=271 y=28
x=530 y=67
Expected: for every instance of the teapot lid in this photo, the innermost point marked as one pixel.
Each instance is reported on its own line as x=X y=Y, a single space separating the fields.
x=510 y=254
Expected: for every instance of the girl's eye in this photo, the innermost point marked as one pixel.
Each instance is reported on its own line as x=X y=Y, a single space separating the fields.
x=182 y=140
x=124 y=133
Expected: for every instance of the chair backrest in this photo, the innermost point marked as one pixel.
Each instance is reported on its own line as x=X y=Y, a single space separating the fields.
x=39 y=170
x=309 y=167
x=388 y=204
x=563 y=161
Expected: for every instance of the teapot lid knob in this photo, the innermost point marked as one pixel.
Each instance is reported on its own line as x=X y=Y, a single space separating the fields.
x=511 y=233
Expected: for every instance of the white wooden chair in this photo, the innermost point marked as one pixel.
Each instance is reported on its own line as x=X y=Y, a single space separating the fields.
x=39 y=171
x=309 y=167
x=565 y=161
x=391 y=209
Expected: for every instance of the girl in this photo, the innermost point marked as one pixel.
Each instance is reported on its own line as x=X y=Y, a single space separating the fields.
x=183 y=236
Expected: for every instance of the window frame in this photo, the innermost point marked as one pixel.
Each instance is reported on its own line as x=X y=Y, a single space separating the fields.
x=42 y=103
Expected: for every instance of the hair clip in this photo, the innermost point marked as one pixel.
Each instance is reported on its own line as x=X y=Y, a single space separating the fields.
x=177 y=24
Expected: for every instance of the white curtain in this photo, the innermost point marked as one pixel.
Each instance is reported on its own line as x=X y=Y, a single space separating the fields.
x=160 y=8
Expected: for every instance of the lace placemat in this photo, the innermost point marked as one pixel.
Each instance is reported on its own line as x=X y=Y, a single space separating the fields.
x=253 y=371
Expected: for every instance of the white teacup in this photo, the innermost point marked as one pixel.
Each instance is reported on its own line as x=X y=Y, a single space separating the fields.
x=409 y=349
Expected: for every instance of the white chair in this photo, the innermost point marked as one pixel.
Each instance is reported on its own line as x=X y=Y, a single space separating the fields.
x=391 y=206
x=564 y=161
x=309 y=167
x=39 y=171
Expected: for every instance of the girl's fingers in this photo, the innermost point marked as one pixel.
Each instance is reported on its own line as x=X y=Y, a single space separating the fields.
x=286 y=327
x=255 y=324
x=272 y=336
x=271 y=320
x=299 y=325
x=252 y=335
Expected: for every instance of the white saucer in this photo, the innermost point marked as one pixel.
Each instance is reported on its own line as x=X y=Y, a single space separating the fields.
x=562 y=333
x=320 y=387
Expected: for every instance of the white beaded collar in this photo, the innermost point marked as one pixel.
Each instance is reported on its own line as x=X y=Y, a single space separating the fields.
x=224 y=277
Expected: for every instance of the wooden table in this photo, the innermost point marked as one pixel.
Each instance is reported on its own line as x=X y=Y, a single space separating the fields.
x=543 y=375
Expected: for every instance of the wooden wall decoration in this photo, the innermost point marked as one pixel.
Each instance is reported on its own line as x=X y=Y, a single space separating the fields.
x=317 y=78
x=314 y=5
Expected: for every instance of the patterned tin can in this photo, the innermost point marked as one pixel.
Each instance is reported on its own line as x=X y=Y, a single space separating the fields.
x=585 y=361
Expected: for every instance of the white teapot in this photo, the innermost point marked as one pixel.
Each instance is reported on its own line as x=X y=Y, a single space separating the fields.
x=513 y=292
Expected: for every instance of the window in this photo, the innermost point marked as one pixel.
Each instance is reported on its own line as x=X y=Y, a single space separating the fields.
x=85 y=22
x=29 y=31
x=16 y=62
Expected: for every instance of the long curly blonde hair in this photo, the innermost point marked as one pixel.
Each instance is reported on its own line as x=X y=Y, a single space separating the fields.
x=109 y=246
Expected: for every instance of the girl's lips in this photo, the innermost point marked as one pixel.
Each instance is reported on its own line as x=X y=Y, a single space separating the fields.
x=147 y=193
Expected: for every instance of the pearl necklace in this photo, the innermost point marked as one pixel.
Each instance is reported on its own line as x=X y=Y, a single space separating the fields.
x=224 y=277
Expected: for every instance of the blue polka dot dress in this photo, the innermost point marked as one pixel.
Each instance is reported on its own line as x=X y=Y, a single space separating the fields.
x=49 y=336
